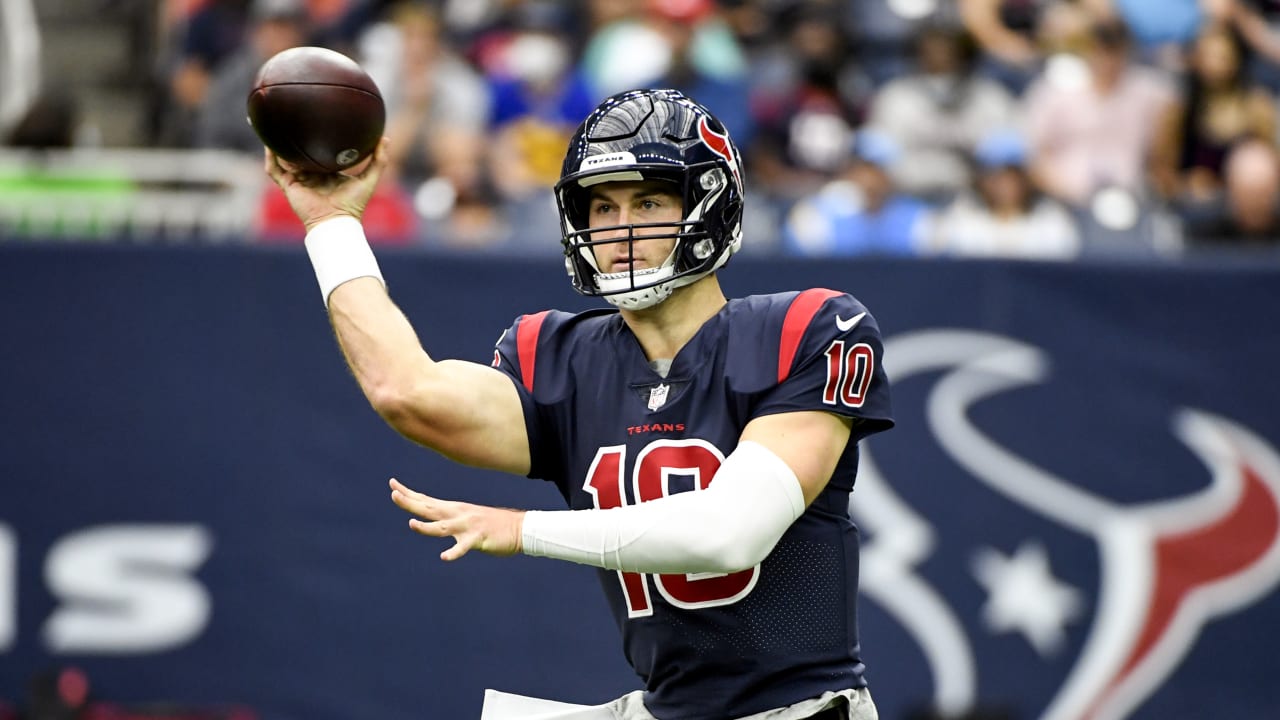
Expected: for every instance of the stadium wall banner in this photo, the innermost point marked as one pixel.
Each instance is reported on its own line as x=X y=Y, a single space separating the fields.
x=1077 y=516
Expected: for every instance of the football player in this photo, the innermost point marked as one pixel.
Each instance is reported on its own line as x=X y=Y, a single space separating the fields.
x=706 y=447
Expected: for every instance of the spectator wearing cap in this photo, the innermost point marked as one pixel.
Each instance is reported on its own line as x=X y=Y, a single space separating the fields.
x=860 y=212
x=939 y=113
x=1003 y=215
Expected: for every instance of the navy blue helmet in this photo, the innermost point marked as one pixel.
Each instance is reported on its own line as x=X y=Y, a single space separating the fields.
x=652 y=135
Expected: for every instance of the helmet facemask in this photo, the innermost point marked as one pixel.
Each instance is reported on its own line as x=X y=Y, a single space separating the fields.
x=651 y=135
x=690 y=258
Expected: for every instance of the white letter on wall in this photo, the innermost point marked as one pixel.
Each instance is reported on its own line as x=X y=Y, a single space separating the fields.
x=127 y=589
x=8 y=587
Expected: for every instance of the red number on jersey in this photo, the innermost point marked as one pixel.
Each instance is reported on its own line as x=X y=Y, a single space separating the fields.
x=604 y=482
x=654 y=466
x=848 y=373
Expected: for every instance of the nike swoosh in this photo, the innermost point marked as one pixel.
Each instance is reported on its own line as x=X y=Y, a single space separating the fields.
x=847 y=325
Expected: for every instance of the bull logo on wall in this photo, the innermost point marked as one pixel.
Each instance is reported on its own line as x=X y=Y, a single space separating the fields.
x=1165 y=568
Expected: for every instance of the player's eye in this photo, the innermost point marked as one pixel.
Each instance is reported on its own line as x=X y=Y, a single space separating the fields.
x=601 y=208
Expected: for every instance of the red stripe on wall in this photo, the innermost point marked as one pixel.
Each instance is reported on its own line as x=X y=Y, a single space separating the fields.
x=802 y=310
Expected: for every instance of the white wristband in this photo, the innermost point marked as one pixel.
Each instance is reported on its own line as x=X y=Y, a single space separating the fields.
x=339 y=252
x=730 y=526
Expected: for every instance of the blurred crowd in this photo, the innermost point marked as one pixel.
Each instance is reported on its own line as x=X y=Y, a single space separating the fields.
x=1045 y=129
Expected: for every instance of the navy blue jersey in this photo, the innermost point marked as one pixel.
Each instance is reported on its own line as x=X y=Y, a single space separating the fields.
x=609 y=431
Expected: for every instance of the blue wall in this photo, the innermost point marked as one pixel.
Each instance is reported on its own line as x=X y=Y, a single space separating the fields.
x=193 y=503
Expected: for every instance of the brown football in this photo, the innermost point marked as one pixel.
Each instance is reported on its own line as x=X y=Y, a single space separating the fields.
x=317 y=109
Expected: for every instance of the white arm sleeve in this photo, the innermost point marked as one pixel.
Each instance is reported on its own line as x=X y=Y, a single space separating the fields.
x=730 y=526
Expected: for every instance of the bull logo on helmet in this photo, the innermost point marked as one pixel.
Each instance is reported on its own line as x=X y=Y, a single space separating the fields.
x=720 y=145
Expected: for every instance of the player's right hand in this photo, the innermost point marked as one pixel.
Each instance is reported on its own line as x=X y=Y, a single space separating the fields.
x=318 y=197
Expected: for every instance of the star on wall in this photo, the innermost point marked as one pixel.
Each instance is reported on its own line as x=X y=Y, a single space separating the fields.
x=1024 y=596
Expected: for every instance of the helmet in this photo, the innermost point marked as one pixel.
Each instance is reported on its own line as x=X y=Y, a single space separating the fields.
x=652 y=135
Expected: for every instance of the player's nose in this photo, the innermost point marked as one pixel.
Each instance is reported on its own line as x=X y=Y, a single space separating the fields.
x=615 y=226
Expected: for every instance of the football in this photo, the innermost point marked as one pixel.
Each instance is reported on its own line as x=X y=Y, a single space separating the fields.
x=317 y=109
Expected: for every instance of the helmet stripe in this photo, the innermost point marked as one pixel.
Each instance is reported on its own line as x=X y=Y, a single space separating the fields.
x=527 y=345
x=799 y=314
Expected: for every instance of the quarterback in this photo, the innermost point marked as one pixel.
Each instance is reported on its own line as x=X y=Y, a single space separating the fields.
x=705 y=447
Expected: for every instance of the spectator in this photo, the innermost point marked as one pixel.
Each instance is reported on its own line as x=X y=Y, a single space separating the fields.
x=1258 y=22
x=437 y=112
x=1162 y=29
x=1016 y=36
x=600 y=13
x=337 y=23
x=938 y=114
x=860 y=212
x=883 y=31
x=275 y=25
x=1219 y=109
x=679 y=44
x=1091 y=123
x=1005 y=30
x=205 y=36
x=1250 y=212
x=806 y=97
x=437 y=104
x=539 y=97
x=538 y=93
x=1004 y=216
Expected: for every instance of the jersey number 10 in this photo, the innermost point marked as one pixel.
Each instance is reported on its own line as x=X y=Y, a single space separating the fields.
x=849 y=373
x=655 y=464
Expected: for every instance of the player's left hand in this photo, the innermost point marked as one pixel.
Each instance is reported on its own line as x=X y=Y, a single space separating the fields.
x=495 y=531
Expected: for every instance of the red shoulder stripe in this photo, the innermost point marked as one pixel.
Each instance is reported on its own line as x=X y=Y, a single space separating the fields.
x=527 y=345
x=803 y=308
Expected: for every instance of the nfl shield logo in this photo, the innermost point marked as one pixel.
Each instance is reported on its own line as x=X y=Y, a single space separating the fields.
x=658 y=396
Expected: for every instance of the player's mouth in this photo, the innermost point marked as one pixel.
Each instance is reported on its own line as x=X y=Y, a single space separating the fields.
x=624 y=264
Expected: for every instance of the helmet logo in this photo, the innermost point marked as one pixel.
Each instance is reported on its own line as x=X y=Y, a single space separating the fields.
x=609 y=160
x=719 y=144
